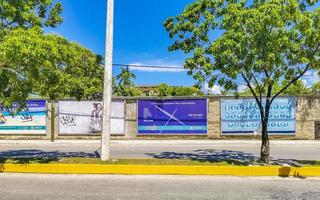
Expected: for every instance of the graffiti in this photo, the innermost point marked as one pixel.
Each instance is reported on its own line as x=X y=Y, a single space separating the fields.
x=30 y=120
x=68 y=120
x=96 y=118
x=89 y=117
x=26 y=118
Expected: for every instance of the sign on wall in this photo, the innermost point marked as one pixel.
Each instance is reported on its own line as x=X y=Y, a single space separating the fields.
x=30 y=121
x=172 y=116
x=85 y=118
x=242 y=116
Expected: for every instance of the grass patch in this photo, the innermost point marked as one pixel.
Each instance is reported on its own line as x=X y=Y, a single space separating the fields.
x=151 y=161
x=79 y=160
x=140 y=162
x=310 y=163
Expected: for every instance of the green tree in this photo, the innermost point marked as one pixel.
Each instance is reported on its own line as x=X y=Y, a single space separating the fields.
x=125 y=77
x=48 y=65
x=15 y=84
x=314 y=90
x=164 y=90
x=261 y=42
x=29 y=13
x=297 y=88
x=124 y=84
x=185 y=91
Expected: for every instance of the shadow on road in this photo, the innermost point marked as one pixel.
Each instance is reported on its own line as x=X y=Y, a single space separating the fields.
x=38 y=156
x=211 y=155
x=230 y=157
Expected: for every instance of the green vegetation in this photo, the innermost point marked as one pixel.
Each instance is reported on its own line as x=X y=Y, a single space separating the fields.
x=166 y=90
x=143 y=161
x=123 y=84
x=44 y=64
x=261 y=44
x=297 y=88
x=29 y=13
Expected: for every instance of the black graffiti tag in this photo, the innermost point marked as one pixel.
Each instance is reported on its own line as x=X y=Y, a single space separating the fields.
x=26 y=118
x=68 y=120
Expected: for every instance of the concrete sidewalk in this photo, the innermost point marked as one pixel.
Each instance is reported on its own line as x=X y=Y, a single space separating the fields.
x=163 y=142
x=200 y=149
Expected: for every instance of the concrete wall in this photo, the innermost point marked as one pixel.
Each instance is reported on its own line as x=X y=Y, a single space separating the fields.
x=307 y=113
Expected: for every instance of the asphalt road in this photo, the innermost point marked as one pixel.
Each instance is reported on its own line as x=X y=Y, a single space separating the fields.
x=114 y=187
x=301 y=150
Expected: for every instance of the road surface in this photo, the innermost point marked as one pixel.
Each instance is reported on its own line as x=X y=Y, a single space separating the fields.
x=196 y=149
x=114 y=187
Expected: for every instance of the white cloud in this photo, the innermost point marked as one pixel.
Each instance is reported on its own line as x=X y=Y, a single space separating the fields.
x=242 y=88
x=214 y=90
x=308 y=73
x=168 y=66
x=311 y=77
x=305 y=82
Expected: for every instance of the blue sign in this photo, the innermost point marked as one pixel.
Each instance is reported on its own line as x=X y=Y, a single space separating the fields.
x=172 y=116
x=32 y=120
x=242 y=116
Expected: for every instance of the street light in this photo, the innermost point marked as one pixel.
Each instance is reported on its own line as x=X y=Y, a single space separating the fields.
x=107 y=90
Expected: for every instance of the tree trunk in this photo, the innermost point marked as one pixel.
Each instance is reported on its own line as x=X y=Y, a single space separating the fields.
x=265 y=146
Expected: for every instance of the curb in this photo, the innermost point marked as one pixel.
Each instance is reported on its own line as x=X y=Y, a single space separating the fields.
x=160 y=170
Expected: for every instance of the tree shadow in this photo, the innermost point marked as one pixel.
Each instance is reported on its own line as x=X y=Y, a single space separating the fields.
x=230 y=157
x=39 y=156
x=212 y=156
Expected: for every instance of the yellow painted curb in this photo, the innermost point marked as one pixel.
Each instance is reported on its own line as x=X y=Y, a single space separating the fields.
x=160 y=170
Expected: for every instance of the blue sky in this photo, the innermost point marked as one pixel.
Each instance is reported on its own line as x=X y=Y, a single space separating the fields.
x=139 y=36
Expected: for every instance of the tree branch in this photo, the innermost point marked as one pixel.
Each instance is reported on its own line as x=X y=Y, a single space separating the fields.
x=296 y=78
x=254 y=94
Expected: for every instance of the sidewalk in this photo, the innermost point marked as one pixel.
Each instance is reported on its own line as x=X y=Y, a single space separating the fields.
x=280 y=149
x=162 y=142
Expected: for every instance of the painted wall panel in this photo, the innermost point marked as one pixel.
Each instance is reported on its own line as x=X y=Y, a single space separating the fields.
x=85 y=118
x=172 y=116
x=30 y=121
x=242 y=116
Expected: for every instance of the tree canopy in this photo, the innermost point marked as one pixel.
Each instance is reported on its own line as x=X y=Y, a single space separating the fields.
x=257 y=43
x=166 y=90
x=123 y=83
x=29 y=13
x=54 y=66
x=46 y=64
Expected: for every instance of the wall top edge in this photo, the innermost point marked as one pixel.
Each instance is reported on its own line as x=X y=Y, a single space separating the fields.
x=180 y=97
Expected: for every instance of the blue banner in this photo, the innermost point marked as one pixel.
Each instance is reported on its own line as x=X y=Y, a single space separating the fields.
x=242 y=116
x=172 y=116
x=32 y=120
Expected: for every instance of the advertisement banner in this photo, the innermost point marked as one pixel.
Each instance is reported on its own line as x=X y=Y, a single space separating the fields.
x=242 y=117
x=85 y=118
x=30 y=121
x=172 y=116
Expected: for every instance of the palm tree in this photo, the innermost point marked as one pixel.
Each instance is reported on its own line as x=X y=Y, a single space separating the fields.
x=125 y=77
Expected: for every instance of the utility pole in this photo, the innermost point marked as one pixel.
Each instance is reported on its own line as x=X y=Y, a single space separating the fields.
x=107 y=90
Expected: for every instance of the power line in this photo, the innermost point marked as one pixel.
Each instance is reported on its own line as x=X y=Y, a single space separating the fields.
x=148 y=66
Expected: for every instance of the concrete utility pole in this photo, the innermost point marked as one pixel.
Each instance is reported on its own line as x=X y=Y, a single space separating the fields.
x=107 y=91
